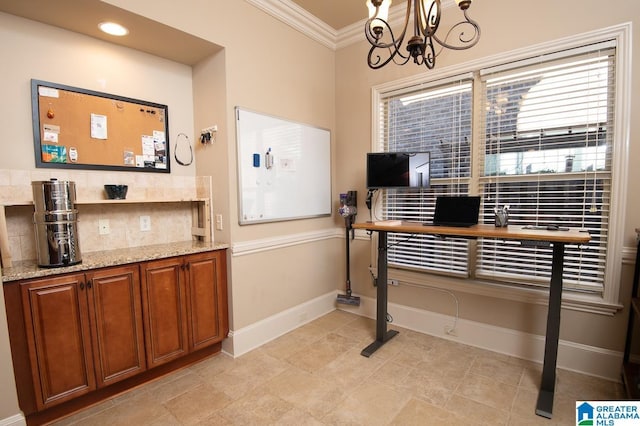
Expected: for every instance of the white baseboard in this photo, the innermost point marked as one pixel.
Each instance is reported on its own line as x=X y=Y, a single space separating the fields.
x=576 y=357
x=15 y=420
x=257 y=334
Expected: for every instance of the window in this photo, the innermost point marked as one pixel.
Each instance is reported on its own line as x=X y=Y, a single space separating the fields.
x=436 y=119
x=546 y=152
x=537 y=134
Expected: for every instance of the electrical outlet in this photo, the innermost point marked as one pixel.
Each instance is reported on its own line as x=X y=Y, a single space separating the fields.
x=103 y=226
x=393 y=282
x=219 y=222
x=145 y=223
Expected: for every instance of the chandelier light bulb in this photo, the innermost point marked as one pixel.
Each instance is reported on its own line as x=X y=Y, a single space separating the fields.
x=382 y=7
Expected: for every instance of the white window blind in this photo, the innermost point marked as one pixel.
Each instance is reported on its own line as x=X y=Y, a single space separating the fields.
x=547 y=135
x=436 y=119
x=546 y=147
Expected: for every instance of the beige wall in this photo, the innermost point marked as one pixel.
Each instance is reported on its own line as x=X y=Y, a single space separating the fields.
x=281 y=72
x=284 y=73
x=506 y=25
x=262 y=284
x=32 y=50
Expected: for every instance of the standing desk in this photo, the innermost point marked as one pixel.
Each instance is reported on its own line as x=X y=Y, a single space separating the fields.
x=558 y=239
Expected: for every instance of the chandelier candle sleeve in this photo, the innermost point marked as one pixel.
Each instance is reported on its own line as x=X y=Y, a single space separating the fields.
x=386 y=45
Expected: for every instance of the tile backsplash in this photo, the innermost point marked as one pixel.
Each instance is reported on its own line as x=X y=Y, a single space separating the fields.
x=159 y=196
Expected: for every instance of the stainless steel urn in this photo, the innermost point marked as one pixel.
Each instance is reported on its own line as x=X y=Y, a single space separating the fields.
x=56 y=223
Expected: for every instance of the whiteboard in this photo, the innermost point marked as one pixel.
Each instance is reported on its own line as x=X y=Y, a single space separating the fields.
x=284 y=169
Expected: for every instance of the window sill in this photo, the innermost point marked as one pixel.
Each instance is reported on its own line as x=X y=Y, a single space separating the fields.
x=577 y=302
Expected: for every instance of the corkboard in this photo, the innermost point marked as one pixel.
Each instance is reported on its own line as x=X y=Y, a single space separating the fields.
x=77 y=128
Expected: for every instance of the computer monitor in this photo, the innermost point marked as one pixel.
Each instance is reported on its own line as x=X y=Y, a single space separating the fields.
x=397 y=170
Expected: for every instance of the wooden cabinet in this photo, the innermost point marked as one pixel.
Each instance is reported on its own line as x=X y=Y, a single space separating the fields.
x=116 y=314
x=206 y=277
x=57 y=326
x=185 y=305
x=164 y=304
x=83 y=331
x=77 y=338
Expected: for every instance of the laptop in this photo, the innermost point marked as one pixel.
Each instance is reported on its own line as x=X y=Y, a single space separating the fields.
x=461 y=211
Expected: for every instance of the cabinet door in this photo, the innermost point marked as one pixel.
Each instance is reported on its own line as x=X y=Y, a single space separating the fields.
x=116 y=315
x=164 y=310
x=57 y=327
x=207 y=296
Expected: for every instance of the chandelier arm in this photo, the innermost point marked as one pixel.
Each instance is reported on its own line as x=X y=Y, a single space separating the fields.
x=379 y=63
x=429 y=54
x=466 y=42
x=374 y=36
x=374 y=59
x=375 y=40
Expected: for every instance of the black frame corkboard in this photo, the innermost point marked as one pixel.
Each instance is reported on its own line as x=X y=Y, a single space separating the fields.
x=85 y=129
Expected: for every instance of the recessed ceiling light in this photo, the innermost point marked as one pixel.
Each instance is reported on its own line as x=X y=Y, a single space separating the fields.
x=113 y=28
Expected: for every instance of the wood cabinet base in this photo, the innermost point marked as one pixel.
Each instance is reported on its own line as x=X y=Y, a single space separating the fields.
x=81 y=337
x=100 y=395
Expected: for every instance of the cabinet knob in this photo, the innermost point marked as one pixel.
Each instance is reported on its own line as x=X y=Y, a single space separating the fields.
x=89 y=284
x=81 y=286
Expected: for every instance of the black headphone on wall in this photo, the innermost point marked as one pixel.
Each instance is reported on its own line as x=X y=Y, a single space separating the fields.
x=175 y=150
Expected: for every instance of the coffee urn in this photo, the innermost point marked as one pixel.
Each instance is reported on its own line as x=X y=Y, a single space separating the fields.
x=56 y=223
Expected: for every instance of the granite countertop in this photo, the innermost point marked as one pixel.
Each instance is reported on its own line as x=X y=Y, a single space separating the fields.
x=101 y=259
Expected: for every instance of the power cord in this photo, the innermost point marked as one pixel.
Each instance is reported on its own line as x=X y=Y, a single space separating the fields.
x=450 y=330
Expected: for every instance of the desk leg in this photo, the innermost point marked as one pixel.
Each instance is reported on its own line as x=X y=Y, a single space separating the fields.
x=544 y=407
x=382 y=334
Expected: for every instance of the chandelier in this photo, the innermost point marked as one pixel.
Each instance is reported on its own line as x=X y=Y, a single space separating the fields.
x=386 y=46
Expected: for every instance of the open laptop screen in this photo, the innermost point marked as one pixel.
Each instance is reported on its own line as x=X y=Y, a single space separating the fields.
x=456 y=210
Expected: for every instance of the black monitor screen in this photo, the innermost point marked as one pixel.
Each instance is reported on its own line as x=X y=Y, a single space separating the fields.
x=397 y=170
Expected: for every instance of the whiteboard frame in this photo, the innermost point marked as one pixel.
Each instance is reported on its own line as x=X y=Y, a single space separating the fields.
x=241 y=166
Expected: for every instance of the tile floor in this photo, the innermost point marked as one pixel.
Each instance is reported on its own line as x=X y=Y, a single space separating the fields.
x=315 y=375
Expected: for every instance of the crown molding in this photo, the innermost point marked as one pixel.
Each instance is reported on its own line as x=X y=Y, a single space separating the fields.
x=354 y=33
x=299 y=19
x=350 y=34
